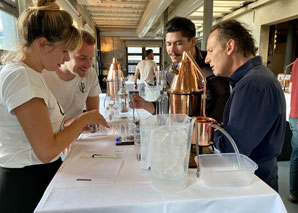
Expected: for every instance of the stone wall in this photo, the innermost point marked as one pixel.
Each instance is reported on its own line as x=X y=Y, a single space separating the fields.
x=112 y=47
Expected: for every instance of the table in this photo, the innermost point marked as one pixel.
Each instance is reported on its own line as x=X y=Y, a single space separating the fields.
x=132 y=191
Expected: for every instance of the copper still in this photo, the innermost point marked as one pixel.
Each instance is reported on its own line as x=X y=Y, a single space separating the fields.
x=187 y=95
x=113 y=79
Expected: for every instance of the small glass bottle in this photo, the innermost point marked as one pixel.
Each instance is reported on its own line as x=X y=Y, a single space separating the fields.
x=163 y=99
x=123 y=99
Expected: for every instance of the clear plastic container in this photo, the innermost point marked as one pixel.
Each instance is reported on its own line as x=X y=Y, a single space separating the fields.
x=222 y=170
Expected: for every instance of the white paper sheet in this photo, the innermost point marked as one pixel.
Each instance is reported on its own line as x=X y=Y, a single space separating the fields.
x=81 y=168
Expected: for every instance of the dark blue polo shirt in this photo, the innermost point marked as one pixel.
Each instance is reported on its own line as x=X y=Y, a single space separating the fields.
x=255 y=117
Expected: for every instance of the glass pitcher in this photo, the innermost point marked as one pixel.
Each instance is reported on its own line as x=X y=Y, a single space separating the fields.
x=169 y=148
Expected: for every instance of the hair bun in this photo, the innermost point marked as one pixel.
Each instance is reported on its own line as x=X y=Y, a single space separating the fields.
x=45 y=5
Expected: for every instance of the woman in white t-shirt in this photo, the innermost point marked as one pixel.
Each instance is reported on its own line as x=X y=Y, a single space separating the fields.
x=31 y=124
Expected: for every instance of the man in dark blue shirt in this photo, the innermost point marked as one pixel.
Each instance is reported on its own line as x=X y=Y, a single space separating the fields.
x=255 y=114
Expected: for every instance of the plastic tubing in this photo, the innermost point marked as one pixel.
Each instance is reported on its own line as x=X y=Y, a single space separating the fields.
x=232 y=143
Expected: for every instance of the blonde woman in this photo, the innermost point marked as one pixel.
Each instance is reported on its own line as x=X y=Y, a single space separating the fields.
x=31 y=124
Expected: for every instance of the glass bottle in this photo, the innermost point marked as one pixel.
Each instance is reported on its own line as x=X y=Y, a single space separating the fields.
x=123 y=99
x=137 y=138
x=163 y=99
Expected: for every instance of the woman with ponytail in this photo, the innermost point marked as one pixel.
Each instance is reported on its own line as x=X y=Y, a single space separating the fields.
x=32 y=121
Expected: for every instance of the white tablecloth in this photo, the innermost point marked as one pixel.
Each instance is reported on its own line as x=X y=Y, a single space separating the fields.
x=133 y=192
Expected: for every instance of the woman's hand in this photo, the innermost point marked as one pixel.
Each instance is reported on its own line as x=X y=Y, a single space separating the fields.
x=94 y=117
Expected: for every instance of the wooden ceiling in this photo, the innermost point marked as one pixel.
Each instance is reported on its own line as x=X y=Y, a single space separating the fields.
x=111 y=14
x=127 y=15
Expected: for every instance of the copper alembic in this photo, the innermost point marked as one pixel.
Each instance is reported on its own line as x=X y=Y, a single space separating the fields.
x=188 y=96
x=113 y=79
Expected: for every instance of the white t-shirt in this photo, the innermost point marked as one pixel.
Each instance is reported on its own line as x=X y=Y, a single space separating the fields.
x=146 y=68
x=19 y=84
x=72 y=95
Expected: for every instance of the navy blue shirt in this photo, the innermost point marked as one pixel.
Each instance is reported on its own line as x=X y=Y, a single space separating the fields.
x=255 y=117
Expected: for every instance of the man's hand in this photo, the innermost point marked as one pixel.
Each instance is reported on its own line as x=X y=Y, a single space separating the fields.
x=138 y=102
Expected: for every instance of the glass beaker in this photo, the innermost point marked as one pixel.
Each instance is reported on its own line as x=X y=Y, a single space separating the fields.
x=169 y=149
x=146 y=126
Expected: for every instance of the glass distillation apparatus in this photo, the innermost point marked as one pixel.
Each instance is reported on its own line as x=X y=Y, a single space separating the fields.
x=111 y=102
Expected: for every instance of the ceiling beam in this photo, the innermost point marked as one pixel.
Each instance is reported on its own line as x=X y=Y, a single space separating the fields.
x=108 y=28
x=116 y=19
x=124 y=34
x=126 y=23
x=185 y=8
x=226 y=4
x=120 y=4
x=117 y=33
x=198 y=14
x=118 y=15
x=114 y=9
x=242 y=10
x=151 y=14
x=217 y=9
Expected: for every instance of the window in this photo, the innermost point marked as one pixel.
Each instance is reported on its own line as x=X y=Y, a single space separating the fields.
x=135 y=54
x=134 y=59
x=8 y=28
x=8 y=32
x=134 y=50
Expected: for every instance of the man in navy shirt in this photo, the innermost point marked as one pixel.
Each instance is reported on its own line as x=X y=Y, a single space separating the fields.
x=255 y=114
